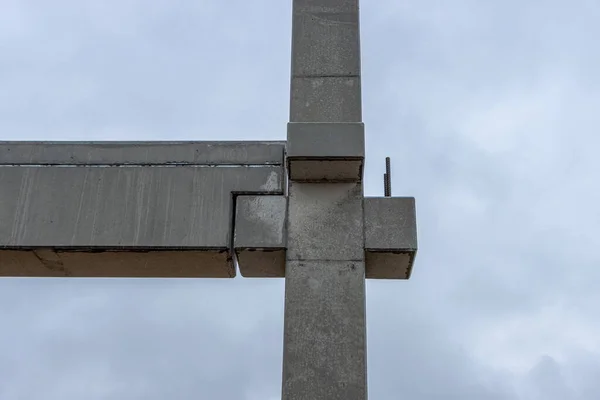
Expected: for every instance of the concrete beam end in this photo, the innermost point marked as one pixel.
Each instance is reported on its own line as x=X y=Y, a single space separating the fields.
x=261 y=263
x=390 y=237
x=389 y=265
x=260 y=235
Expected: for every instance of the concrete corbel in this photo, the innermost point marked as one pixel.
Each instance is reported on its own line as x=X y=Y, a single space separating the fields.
x=390 y=237
x=260 y=235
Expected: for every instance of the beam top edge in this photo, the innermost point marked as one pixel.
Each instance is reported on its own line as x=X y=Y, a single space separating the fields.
x=142 y=152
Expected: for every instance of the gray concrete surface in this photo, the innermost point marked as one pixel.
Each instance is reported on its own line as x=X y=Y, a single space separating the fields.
x=119 y=207
x=332 y=152
x=325 y=99
x=260 y=235
x=325 y=220
x=172 y=263
x=390 y=223
x=324 y=328
x=141 y=153
x=325 y=38
x=325 y=85
x=390 y=237
x=115 y=207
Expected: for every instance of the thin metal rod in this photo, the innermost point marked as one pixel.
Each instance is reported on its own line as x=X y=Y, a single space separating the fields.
x=387 y=178
x=385 y=185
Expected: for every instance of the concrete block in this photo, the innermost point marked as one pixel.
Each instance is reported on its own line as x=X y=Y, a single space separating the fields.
x=325 y=152
x=325 y=221
x=326 y=99
x=260 y=235
x=390 y=237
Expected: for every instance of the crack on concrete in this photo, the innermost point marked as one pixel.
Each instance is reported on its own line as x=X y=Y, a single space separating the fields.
x=53 y=265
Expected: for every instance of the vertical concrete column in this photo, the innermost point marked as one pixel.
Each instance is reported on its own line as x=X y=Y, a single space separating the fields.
x=325 y=83
x=324 y=328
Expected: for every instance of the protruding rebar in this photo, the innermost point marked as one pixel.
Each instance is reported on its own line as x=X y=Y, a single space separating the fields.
x=387 y=178
x=385 y=185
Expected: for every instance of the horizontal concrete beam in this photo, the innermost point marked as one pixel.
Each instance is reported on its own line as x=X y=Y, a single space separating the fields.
x=127 y=217
x=389 y=223
x=114 y=218
x=260 y=235
x=390 y=237
x=142 y=153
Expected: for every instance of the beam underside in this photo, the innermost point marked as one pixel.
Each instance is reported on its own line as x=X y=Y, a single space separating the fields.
x=324 y=329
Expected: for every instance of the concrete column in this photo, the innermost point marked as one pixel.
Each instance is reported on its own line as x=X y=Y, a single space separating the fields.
x=325 y=85
x=324 y=328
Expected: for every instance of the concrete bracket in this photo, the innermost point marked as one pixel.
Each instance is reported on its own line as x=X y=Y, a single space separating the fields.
x=259 y=238
x=325 y=151
x=390 y=237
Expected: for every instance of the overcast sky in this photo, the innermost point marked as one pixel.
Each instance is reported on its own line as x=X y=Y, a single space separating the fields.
x=489 y=110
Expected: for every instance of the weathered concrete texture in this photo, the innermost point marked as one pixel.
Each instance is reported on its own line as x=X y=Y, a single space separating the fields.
x=111 y=264
x=390 y=223
x=141 y=153
x=326 y=99
x=325 y=84
x=118 y=207
x=262 y=263
x=323 y=171
x=325 y=39
x=324 y=332
x=260 y=235
x=325 y=221
x=325 y=140
x=140 y=208
x=390 y=237
x=389 y=265
x=326 y=5
x=331 y=152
